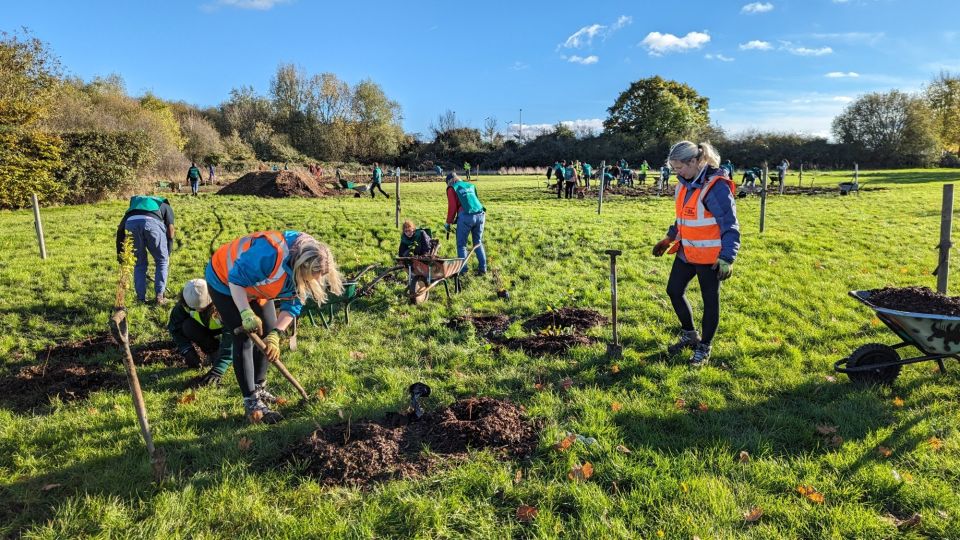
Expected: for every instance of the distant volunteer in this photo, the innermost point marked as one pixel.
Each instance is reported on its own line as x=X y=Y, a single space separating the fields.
x=149 y=221
x=705 y=237
x=195 y=323
x=464 y=209
x=280 y=269
x=376 y=181
x=194 y=177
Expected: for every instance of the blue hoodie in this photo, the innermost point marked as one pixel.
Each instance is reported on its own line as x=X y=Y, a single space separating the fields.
x=721 y=203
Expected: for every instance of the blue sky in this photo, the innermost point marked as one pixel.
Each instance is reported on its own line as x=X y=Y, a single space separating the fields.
x=784 y=65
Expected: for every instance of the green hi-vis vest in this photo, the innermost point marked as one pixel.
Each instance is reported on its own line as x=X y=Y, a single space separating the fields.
x=215 y=323
x=467 y=194
x=146 y=203
x=194 y=173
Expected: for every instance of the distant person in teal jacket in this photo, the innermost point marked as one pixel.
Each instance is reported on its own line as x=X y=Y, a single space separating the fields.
x=376 y=180
x=194 y=177
x=149 y=220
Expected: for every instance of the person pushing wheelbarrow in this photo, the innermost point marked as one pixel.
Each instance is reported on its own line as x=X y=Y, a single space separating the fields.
x=277 y=268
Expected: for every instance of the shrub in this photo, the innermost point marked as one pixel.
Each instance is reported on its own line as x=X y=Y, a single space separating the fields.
x=98 y=165
x=27 y=161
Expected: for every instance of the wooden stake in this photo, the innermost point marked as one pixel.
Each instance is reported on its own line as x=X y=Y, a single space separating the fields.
x=397 y=191
x=800 y=183
x=38 y=225
x=763 y=195
x=614 y=350
x=946 y=224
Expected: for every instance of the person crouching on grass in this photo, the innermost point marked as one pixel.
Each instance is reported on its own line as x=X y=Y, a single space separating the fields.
x=414 y=242
x=273 y=267
x=194 y=321
x=705 y=237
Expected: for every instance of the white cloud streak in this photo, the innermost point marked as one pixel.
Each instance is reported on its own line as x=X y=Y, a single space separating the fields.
x=842 y=75
x=757 y=7
x=260 y=5
x=719 y=57
x=756 y=45
x=584 y=36
x=586 y=61
x=806 y=51
x=622 y=21
x=658 y=44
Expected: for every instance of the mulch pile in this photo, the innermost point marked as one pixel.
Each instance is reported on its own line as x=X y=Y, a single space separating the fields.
x=366 y=452
x=61 y=371
x=916 y=300
x=576 y=318
x=487 y=325
x=277 y=184
x=553 y=332
x=547 y=344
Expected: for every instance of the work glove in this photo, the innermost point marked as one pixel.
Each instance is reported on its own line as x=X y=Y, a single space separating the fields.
x=661 y=247
x=272 y=341
x=191 y=357
x=446 y=227
x=724 y=269
x=210 y=378
x=251 y=323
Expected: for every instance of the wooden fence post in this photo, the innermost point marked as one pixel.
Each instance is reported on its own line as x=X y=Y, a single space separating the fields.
x=397 y=197
x=38 y=225
x=946 y=224
x=763 y=195
x=603 y=182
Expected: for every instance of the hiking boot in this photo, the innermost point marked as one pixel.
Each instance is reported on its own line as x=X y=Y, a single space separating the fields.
x=265 y=396
x=161 y=300
x=688 y=340
x=701 y=355
x=258 y=412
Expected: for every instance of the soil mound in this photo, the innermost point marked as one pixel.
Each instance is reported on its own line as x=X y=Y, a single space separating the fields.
x=576 y=318
x=163 y=352
x=487 y=325
x=916 y=300
x=547 y=344
x=276 y=184
x=33 y=386
x=368 y=452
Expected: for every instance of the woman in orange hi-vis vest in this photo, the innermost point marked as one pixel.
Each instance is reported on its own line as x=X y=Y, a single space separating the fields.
x=705 y=237
x=279 y=270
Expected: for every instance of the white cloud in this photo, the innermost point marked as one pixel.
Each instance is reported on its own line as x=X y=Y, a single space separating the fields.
x=842 y=99
x=261 y=5
x=757 y=7
x=756 y=45
x=583 y=36
x=579 y=126
x=770 y=110
x=842 y=75
x=519 y=66
x=806 y=51
x=658 y=44
x=586 y=61
x=719 y=57
x=623 y=20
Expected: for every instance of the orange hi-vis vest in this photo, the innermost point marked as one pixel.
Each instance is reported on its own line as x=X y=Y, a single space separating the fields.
x=697 y=229
x=227 y=254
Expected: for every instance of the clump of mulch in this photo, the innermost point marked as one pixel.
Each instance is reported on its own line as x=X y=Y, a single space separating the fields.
x=32 y=386
x=576 y=318
x=277 y=184
x=154 y=352
x=486 y=325
x=366 y=452
x=915 y=300
x=157 y=352
x=538 y=344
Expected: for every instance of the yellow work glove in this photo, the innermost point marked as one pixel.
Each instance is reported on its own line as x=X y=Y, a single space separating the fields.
x=251 y=323
x=272 y=342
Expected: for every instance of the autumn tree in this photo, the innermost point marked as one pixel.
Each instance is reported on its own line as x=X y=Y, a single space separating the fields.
x=655 y=109
x=943 y=97
x=890 y=128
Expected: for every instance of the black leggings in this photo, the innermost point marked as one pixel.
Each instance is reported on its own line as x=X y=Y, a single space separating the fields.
x=680 y=276
x=568 y=191
x=249 y=363
x=208 y=340
x=377 y=186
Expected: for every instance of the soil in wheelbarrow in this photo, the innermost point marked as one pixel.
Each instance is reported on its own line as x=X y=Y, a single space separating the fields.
x=577 y=318
x=916 y=300
x=277 y=184
x=363 y=453
x=487 y=325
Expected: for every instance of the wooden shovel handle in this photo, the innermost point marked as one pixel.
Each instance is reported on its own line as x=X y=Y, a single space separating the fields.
x=283 y=369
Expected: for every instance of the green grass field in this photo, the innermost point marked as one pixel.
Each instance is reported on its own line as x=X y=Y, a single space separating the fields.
x=786 y=318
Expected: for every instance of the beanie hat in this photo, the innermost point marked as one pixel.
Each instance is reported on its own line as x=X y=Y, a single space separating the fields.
x=195 y=294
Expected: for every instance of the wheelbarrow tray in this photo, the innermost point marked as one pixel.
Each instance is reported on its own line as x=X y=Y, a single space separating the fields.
x=434 y=269
x=933 y=334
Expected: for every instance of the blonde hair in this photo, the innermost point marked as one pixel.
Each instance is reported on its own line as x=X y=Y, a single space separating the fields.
x=704 y=153
x=311 y=257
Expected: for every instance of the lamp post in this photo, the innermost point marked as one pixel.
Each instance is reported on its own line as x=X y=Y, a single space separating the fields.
x=521 y=127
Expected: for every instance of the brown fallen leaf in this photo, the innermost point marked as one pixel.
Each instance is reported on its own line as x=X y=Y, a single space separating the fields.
x=566 y=442
x=538 y=386
x=518 y=477
x=581 y=473
x=752 y=515
x=256 y=417
x=830 y=378
x=906 y=523
x=281 y=401
x=188 y=397
x=526 y=514
x=898 y=401
x=744 y=456
x=836 y=441
x=92 y=411
x=616 y=406
x=623 y=449
x=810 y=493
x=680 y=403
x=824 y=429
x=567 y=383
x=48 y=487
x=244 y=443
x=615 y=369
x=357 y=355
x=703 y=407
x=935 y=443
x=883 y=451
x=322 y=393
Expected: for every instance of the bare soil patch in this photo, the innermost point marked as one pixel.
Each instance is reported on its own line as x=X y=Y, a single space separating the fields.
x=366 y=452
x=487 y=325
x=576 y=318
x=548 y=343
x=32 y=386
x=916 y=300
x=277 y=184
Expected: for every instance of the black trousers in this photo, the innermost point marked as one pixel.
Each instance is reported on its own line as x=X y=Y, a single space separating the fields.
x=559 y=185
x=208 y=340
x=377 y=186
x=681 y=275
x=249 y=363
x=568 y=191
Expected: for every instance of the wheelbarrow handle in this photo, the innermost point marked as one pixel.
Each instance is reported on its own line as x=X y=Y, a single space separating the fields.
x=283 y=369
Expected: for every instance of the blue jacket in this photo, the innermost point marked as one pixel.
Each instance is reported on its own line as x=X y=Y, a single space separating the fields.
x=721 y=203
x=255 y=265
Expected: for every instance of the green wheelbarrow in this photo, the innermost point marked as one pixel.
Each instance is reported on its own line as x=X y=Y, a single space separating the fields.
x=351 y=292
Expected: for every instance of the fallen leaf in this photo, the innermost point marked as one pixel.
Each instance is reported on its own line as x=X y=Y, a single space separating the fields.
x=322 y=393
x=615 y=369
x=616 y=406
x=92 y=411
x=526 y=514
x=623 y=449
x=117 y=407
x=907 y=477
x=830 y=378
x=357 y=355
x=48 y=487
x=565 y=442
x=904 y=270
x=911 y=521
x=680 y=403
x=703 y=407
x=244 y=443
x=538 y=386
x=883 y=451
x=223 y=414
x=810 y=493
x=753 y=514
x=281 y=401
x=935 y=443
x=898 y=401
x=683 y=487
x=567 y=383
x=188 y=397
x=581 y=473
x=826 y=430
x=744 y=456
x=518 y=477
x=836 y=441
x=256 y=417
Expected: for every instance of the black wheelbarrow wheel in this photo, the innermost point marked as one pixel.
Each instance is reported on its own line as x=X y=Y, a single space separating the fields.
x=869 y=355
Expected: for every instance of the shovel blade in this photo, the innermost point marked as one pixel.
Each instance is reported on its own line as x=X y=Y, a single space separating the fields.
x=118 y=326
